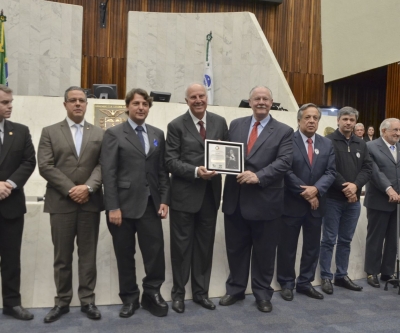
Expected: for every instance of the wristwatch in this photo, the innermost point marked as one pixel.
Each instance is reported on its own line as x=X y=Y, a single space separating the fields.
x=89 y=189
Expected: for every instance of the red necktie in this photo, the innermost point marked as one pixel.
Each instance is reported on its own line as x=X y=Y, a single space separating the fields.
x=202 y=129
x=252 y=137
x=310 y=150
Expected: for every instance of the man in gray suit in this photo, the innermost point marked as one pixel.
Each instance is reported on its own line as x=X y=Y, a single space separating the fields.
x=195 y=197
x=253 y=201
x=381 y=199
x=68 y=158
x=136 y=191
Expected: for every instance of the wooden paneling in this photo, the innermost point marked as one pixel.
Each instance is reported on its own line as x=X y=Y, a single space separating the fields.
x=364 y=91
x=393 y=91
x=293 y=30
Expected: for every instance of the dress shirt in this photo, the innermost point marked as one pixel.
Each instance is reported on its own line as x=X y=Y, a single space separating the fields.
x=260 y=127
x=144 y=132
x=196 y=123
x=394 y=152
x=305 y=138
x=73 y=129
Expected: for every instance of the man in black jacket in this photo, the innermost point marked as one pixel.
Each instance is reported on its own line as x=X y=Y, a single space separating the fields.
x=353 y=171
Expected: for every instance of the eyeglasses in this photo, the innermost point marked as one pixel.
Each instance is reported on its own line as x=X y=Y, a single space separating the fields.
x=74 y=100
x=397 y=130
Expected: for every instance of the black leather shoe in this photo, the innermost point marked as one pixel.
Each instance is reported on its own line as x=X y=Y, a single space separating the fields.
x=91 y=310
x=287 y=294
x=264 y=306
x=18 y=312
x=347 y=283
x=205 y=303
x=178 y=306
x=56 y=313
x=128 y=310
x=390 y=277
x=229 y=300
x=155 y=304
x=373 y=281
x=326 y=286
x=310 y=292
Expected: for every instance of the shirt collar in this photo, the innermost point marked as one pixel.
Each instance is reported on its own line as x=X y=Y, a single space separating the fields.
x=2 y=125
x=263 y=122
x=305 y=137
x=134 y=125
x=196 y=120
x=387 y=143
x=72 y=123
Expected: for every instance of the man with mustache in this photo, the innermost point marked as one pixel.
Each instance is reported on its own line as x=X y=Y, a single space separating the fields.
x=195 y=197
x=306 y=184
x=353 y=171
x=253 y=201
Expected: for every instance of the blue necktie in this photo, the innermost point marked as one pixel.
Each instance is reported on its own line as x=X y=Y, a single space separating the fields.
x=78 y=138
x=139 y=130
x=392 y=148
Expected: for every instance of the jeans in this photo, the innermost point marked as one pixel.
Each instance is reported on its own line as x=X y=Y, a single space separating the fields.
x=339 y=224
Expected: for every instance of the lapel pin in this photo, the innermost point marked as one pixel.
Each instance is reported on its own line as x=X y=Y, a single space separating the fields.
x=87 y=128
x=155 y=142
x=358 y=155
x=11 y=133
x=316 y=151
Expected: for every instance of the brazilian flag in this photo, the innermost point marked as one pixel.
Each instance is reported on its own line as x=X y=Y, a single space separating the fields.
x=3 y=54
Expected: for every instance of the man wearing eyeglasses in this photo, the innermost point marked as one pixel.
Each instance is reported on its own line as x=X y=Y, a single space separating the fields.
x=68 y=158
x=381 y=199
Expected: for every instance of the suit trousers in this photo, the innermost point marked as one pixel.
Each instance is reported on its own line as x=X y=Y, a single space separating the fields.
x=287 y=248
x=381 y=234
x=10 y=259
x=151 y=242
x=64 y=228
x=254 y=240
x=192 y=246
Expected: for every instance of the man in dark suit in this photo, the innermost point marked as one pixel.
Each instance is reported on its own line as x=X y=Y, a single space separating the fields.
x=253 y=200
x=68 y=158
x=136 y=190
x=312 y=173
x=195 y=197
x=381 y=199
x=17 y=162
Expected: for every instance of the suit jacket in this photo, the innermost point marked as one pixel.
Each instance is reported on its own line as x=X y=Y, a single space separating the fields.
x=184 y=152
x=321 y=175
x=60 y=165
x=385 y=173
x=270 y=159
x=17 y=162
x=128 y=173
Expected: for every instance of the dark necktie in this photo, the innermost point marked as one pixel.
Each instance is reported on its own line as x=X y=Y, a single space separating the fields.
x=253 y=137
x=310 y=150
x=202 y=129
x=139 y=130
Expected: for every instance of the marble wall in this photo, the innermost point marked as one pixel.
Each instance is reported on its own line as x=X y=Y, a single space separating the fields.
x=44 y=46
x=166 y=52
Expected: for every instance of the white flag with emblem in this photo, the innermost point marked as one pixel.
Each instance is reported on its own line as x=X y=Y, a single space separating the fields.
x=208 y=71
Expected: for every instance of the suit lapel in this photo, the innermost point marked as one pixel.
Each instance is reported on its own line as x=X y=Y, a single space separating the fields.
x=132 y=137
x=87 y=131
x=152 y=140
x=191 y=127
x=7 y=140
x=68 y=136
x=317 y=148
x=266 y=132
x=244 y=132
x=385 y=150
x=298 y=140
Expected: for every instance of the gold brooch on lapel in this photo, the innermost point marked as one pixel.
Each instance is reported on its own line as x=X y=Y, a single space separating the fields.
x=11 y=133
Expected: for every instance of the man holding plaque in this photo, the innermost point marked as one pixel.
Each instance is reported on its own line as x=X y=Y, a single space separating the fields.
x=253 y=200
x=195 y=197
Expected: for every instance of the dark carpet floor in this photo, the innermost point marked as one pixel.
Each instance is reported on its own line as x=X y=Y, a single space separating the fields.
x=372 y=310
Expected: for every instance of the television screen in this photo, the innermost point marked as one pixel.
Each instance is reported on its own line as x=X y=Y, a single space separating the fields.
x=159 y=96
